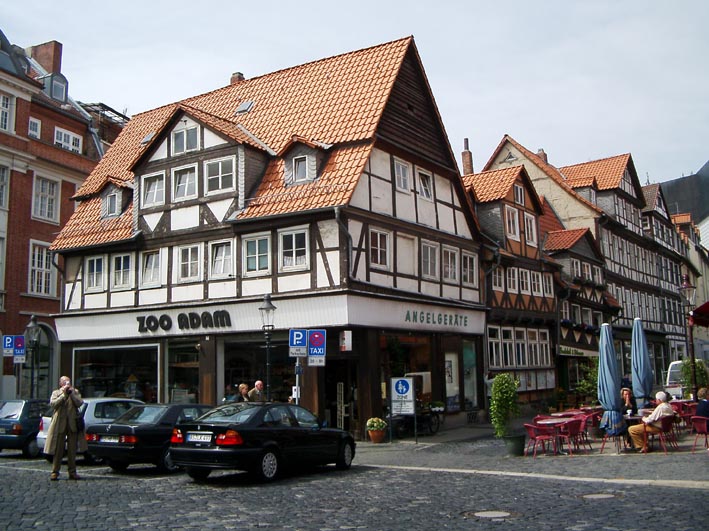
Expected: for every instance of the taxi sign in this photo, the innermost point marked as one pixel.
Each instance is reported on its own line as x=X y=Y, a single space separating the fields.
x=317 y=341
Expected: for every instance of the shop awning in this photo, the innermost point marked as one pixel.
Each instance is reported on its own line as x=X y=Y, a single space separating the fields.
x=700 y=315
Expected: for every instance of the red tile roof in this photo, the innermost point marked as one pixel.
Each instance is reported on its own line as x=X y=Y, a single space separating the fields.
x=549 y=221
x=608 y=172
x=547 y=168
x=492 y=185
x=681 y=218
x=562 y=240
x=337 y=100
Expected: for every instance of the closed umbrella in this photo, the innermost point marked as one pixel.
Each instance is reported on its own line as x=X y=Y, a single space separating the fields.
x=609 y=384
x=642 y=370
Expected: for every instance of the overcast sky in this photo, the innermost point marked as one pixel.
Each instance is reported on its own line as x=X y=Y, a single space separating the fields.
x=582 y=79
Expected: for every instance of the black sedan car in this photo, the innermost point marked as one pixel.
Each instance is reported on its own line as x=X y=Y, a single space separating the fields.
x=19 y=425
x=260 y=438
x=141 y=435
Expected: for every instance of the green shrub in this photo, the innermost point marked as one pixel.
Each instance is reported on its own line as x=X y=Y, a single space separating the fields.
x=503 y=403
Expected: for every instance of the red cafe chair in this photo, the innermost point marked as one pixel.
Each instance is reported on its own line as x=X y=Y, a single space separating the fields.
x=539 y=435
x=700 y=428
x=570 y=432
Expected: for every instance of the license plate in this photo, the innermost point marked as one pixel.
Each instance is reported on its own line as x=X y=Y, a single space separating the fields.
x=109 y=439
x=199 y=437
x=2 y=430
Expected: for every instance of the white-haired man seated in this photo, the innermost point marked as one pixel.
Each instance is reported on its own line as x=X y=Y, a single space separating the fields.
x=651 y=423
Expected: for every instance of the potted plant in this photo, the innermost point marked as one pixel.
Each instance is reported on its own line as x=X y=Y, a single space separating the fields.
x=376 y=428
x=503 y=409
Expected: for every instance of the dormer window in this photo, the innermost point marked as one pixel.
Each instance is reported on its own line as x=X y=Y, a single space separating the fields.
x=58 y=89
x=185 y=140
x=112 y=204
x=300 y=169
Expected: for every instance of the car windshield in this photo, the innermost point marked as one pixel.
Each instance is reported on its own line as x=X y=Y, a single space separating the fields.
x=233 y=413
x=675 y=375
x=142 y=415
x=10 y=409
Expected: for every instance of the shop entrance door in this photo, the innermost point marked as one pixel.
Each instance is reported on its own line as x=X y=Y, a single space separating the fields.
x=340 y=394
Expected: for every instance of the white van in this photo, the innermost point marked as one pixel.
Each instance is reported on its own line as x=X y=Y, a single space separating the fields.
x=673 y=380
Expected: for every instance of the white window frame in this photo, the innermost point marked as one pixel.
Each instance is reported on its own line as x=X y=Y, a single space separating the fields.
x=521 y=359
x=41 y=278
x=524 y=283
x=598 y=275
x=576 y=268
x=536 y=279
x=429 y=260
x=469 y=269
x=221 y=263
x=587 y=271
x=94 y=273
x=189 y=262
x=34 y=128
x=533 y=347
x=586 y=316
x=565 y=311
x=548 y=284
x=507 y=338
x=112 y=208
x=512 y=279
x=544 y=352
x=67 y=140
x=379 y=249
x=519 y=194
x=530 y=229
x=158 y=193
x=301 y=161
x=425 y=185
x=150 y=276
x=7 y=114
x=512 y=222
x=402 y=175
x=450 y=259
x=4 y=186
x=218 y=163
x=122 y=272
x=176 y=173
x=45 y=203
x=494 y=346
x=498 y=279
x=184 y=132
x=294 y=253
x=256 y=257
x=59 y=89
x=576 y=314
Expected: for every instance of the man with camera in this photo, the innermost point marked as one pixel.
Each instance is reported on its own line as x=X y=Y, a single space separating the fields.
x=64 y=402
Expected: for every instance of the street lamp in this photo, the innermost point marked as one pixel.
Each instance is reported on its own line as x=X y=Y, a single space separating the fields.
x=32 y=331
x=688 y=293
x=268 y=311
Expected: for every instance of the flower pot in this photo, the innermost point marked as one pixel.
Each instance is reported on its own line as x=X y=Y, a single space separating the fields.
x=515 y=444
x=377 y=436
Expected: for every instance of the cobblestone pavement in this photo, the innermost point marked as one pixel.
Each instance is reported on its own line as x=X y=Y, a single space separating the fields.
x=461 y=479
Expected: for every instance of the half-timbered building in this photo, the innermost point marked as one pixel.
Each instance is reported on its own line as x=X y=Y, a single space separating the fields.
x=519 y=280
x=329 y=186
x=605 y=196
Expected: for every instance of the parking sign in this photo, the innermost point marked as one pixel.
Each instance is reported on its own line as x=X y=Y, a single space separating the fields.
x=297 y=343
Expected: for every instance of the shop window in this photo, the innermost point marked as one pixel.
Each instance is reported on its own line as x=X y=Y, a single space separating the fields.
x=117 y=372
x=183 y=373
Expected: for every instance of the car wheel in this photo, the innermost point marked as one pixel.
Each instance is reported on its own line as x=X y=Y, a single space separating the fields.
x=118 y=466
x=198 y=474
x=31 y=449
x=166 y=464
x=345 y=455
x=268 y=466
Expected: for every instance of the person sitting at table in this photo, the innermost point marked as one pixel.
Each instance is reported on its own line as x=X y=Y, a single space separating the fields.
x=703 y=403
x=650 y=423
x=629 y=402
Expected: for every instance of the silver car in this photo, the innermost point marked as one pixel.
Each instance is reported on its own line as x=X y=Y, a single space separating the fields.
x=95 y=411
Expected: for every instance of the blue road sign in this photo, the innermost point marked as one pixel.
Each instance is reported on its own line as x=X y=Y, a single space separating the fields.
x=317 y=347
x=297 y=343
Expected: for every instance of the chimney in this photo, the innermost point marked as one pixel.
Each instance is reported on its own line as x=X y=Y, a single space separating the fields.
x=467 y=159
x=236 y=77
x=542 y=155
x=49 y=55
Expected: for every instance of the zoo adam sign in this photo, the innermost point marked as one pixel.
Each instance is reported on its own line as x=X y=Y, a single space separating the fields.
x=185 y=321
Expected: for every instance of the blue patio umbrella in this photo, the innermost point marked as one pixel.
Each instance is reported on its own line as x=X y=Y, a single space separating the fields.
x=609 y=384
x=642 y=369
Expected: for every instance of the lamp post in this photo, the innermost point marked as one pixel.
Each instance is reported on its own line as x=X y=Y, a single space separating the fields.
x=268 y=311
x=32 y=331
x=688 y=293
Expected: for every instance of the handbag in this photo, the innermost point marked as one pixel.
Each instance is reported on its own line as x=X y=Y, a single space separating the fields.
x=80 y=423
